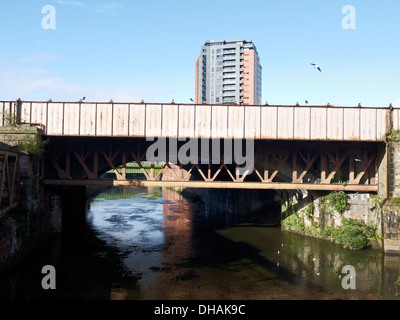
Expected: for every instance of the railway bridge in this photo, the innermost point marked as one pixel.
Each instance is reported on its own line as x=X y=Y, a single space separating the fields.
x=286 y=149
x=218 y=146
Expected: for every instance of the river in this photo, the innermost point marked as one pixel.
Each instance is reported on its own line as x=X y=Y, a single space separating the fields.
x=153 y=244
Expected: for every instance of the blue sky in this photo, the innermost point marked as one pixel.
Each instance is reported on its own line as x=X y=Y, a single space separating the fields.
x=133 y=50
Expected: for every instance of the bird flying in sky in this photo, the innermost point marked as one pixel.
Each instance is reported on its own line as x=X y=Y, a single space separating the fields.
x=316 y=67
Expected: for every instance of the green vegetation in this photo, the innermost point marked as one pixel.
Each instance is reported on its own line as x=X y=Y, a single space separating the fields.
x=338 y=200
x=352 y=233
x=33 y=145
x=294 y=223
x=397 y=283
x=310 y=210
x=378 y=201
x=9 y=119
x=289 y=208
x=393 y=135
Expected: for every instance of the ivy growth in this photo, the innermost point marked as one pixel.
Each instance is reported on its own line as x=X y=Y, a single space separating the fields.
x=377 y=201
x=393 y=135
x=310 y=210
x=397 y=283
x=33 y=145
x=9 y=118
x=339 y=201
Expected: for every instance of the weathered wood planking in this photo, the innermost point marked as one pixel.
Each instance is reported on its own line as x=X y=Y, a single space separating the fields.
x=318 y=124
x=203 y=121
x=186 y=121
x=285 y=123
x=396 y=119
x=208 y=121
x=269 y=127
x=121 y=120
x=302 y=122
x=368 y=124
x=103 y=120
x=236 y=125
x=252 y=123
x=71 y=110
x=153 y=121
x=137 y=120
x=334 y=124
x=219 y=122
x=2 y=113
x=170 y=116
x=55 y=118
x=351 y=121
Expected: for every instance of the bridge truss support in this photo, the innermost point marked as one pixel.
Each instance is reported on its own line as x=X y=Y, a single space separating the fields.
x=275 y=166
x=9 y=181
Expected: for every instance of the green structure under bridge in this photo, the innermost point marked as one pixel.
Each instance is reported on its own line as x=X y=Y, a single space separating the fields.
x=134 y=171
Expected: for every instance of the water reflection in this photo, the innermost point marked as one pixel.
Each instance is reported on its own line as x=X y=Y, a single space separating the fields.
x=176 y=252
x=154 y=244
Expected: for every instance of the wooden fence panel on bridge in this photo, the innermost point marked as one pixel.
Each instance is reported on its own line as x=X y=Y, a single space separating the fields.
x=266 y=122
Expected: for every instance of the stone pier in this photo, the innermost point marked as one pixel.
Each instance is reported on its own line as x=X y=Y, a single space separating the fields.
x=38 y=215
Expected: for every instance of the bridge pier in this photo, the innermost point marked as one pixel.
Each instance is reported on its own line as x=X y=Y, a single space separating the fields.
x=390 y=209
x=381 y=210
x=318 y=214
x=35 y=220
x=73 y=211
x=238 y=205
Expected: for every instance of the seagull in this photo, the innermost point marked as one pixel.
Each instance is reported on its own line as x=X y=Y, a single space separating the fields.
x=191 y=100
x=306 y=102
x=316 y=67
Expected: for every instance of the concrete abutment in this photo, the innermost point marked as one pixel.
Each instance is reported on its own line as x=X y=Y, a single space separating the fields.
x=41 y=212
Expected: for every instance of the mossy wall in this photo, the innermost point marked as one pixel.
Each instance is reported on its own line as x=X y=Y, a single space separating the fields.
x=36 y=219
x=351 y=220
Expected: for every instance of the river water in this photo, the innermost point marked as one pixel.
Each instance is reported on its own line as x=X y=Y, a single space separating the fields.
x=152 y=244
